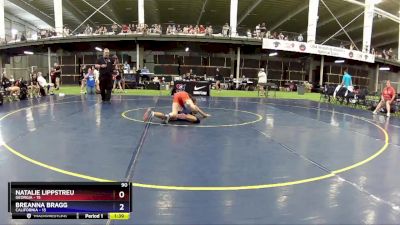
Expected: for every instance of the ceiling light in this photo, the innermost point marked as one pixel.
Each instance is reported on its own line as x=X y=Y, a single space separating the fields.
x=273 y=54
x=339 y=61
x=187 y=49
x=28 y=53
x=99 y=49
x=384 y=68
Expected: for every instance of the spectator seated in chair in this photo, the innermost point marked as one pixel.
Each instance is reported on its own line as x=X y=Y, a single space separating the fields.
x=14 y=89
x=11 y=88
x=45 y=88
x=5 y=82
x=387 y=99
x=33 y=88
x=344 y=93
x=23 y=94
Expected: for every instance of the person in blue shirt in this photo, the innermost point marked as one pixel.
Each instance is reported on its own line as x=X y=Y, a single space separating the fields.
x=346 y=81
x=90 y=82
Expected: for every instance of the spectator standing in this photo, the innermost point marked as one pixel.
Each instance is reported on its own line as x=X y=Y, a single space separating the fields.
x=88 y=30
x=179 y=29
x=300 y=38
x=390 y=53
x=268 y=35
x=90 y=82
x=262 y=80
x=127 y=67
x=169 y=30
x=209 y=31
x=218 y=78
x=202 y=30
x=191 y=30
x=66 y=31
x=173 y=29
x=114 y=28
x=125 y=29
x=56 y=76
x=132 y=28
x=118 y=81
x=103 y=30
x=96 y=77
x=185 y=30
x=82 y=73
x=225 y=30
x=263 y=30
x=249 y=33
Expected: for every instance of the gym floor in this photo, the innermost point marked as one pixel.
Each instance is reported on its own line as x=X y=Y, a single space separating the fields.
x=255 y=161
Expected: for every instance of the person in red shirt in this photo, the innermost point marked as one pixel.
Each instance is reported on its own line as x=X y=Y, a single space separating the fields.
x=184 y=108
x=125 y=29
x=202 y=29
x=387 y=97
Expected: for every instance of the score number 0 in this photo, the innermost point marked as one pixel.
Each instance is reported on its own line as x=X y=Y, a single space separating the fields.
x=121 y=194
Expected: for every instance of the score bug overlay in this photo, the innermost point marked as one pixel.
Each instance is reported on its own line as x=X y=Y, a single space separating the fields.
x=69 y=200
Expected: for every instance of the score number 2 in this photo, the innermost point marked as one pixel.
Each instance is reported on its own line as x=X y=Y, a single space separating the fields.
x=121 y=195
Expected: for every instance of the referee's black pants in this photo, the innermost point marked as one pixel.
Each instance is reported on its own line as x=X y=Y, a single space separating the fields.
x=106 y=84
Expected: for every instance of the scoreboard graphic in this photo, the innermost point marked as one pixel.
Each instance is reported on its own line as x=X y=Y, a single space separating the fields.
x=72 y=200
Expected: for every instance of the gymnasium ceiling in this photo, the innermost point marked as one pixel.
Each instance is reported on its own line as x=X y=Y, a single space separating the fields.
x=280 y=15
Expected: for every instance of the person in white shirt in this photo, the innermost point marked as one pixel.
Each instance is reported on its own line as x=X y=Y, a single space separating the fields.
x=209 y=31
x=249 y=35
x=96 y=77
x=268 y=35
x=300 y=38
x=225 y=30
x=43 y=84
x=262 y=81
x=127 y=67
x=88 y=30
x=173 y=29
x=258 y=31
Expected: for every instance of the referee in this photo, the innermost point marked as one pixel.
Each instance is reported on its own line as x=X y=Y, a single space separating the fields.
x=105 y=65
